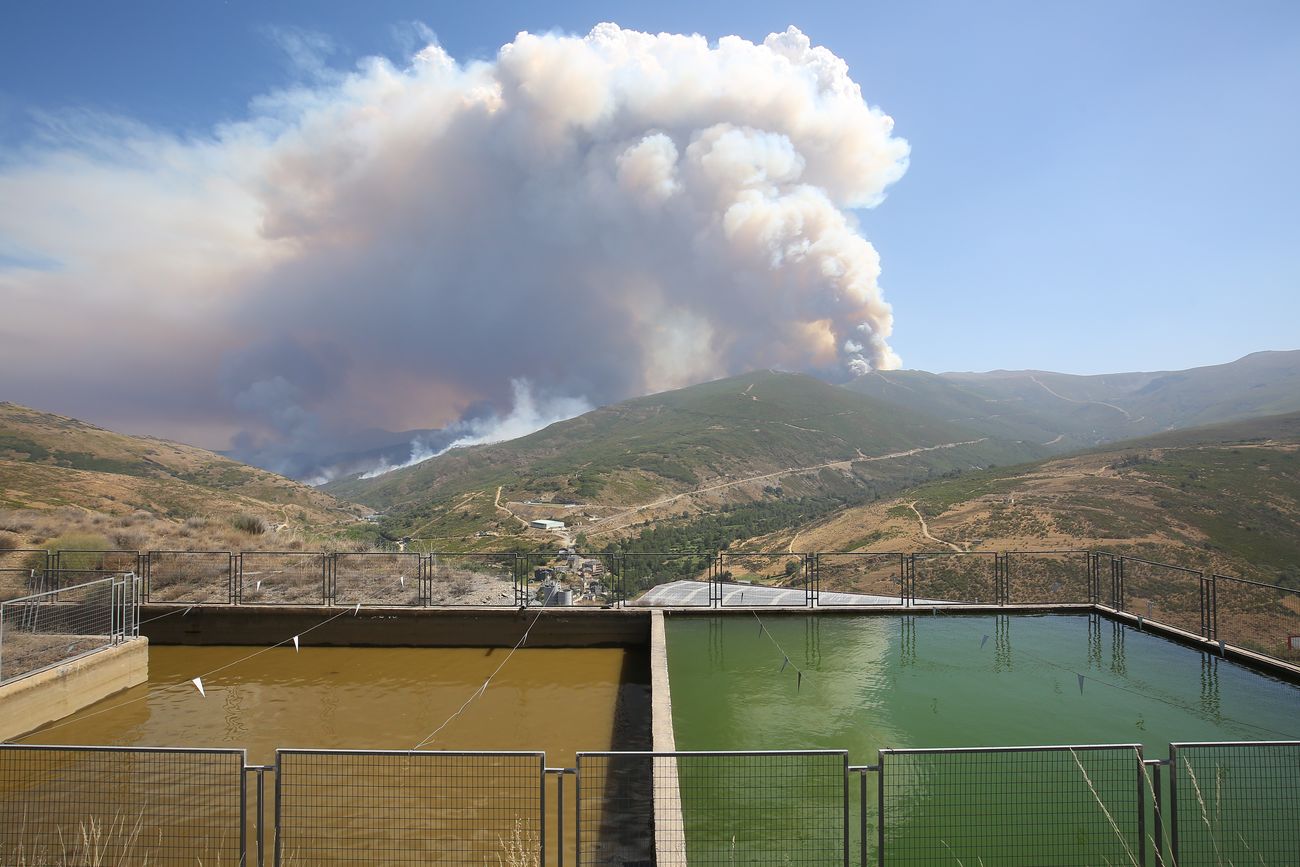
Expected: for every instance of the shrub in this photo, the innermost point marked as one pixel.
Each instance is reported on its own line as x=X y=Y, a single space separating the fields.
x=84 y=542
x=250 y=524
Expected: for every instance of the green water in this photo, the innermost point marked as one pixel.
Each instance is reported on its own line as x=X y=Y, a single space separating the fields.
x=869 y=682
x=949 y=681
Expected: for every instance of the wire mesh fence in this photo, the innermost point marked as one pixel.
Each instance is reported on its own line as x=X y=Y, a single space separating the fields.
x=472 y=579
x=377 y=578
x=1227 y=803
x=115 y=560
x=713 y=808
x=1260 y=617
x=1172 y=595
x=46 y=629
x=782 y=578
x=1264 y=618
x=967 y=577
x=1235 y=803
x=1047 y=577
x=1016 y=806
x=353 y=807
x=116 y=805
x=662 y=578
x=283 y=578
x=190 y=577
x=21 y=571
x=859 y=579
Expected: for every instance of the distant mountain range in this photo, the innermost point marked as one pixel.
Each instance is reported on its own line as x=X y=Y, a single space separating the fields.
x=733 y=436
x=1065 y=413
x=774 y=450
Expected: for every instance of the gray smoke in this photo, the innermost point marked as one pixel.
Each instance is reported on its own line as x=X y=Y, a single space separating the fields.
x=599 y=216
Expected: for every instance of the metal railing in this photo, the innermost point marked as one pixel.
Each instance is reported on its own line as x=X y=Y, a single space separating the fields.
x=121 y=805
x=1219 y=803
x=46 y=629
x=1259 y=617
x=1026 y=806
x=409 y=807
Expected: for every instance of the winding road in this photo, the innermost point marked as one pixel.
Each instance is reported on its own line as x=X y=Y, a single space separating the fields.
x=607 y=525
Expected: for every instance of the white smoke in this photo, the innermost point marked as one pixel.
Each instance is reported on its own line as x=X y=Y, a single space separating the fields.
x=603 y=215
x=527 y=415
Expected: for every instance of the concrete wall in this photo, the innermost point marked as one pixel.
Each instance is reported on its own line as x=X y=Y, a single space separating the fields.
x=31 y=702
x=395 y=627
x=670 y=827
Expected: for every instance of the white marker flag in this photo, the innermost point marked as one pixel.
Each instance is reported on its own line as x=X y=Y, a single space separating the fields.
x=402 y=578
x=295 y=644
x=258 y=587
x=198 y=682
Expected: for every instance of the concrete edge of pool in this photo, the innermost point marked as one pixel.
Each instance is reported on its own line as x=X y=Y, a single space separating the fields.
x=58 y=691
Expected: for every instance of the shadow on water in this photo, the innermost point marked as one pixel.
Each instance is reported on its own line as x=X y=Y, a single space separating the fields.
x=624 y=812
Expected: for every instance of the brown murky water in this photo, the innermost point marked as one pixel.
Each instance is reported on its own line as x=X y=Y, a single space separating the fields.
x=559 y=701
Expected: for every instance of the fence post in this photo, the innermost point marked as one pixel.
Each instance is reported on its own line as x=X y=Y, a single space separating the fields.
x=1173 y=804
x=880 y=808
x=1141 y=809
x=1117 y=583
x=909 y=580
x=1213 y=610
x=1157 y=818
x=813 y=571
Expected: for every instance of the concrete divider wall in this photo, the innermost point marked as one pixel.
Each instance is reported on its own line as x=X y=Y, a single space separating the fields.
x=670 y=827
x=31 y=702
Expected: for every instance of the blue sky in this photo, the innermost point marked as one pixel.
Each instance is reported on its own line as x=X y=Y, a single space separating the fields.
x=1093 y=186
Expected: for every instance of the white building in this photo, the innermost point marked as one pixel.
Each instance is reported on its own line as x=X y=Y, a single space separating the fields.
x=546 y=524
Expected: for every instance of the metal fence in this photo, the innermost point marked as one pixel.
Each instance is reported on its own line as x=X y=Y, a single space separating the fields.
x=1014 y=806
x=1235 y=803
x=47 y=629
x=1046 y=577
x=110 y=805
x=974 y=577
x=282 y=578
x=1263 y=618
x=21 y=571
x=785 y=579
x=859 y=579
x=377 y=578
x=1172 y=595
x=713 y=808
x=190 y=577
x=648 y=578
x=353 y=807
x=1223 y=803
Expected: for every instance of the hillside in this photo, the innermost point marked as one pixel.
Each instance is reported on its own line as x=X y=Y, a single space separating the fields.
x=1225 y=497
x=765 y=434
x=1065 y=413
x=60 y=476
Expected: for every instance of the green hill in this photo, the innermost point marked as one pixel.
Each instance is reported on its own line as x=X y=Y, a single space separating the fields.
x=1066 y=413
x=811 y=438
x=62 y=479
x=1225 y=497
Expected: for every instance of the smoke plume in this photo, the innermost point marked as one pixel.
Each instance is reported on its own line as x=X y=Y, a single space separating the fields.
x=601 y=216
